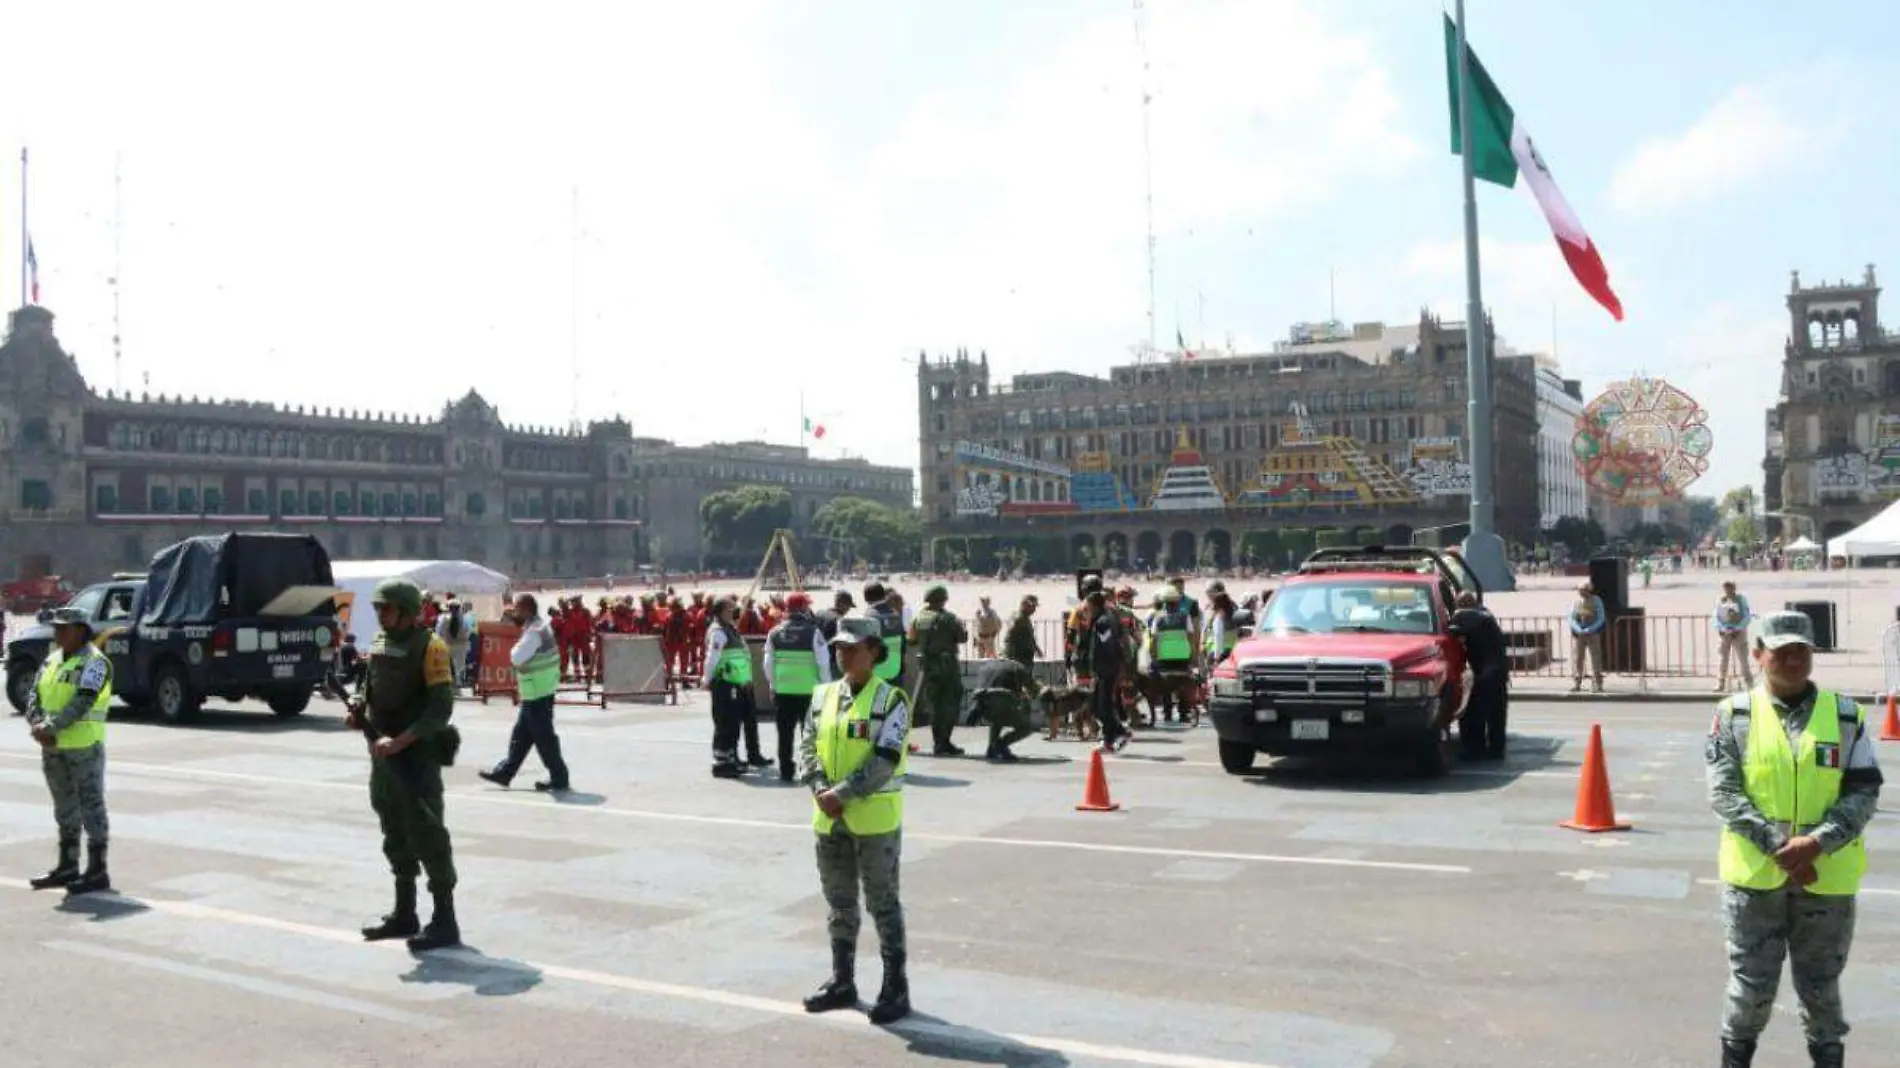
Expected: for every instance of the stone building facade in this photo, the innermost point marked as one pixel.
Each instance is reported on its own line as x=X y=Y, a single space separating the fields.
x=1833 y=437
x=1218 y=459
x=92 y=483
x=1563 y=493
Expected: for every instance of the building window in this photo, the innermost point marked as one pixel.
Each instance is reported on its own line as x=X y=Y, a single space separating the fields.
x=391 y=504
x=36 y=495
x=256 y=502
x=33 y=432
x=534 y=506
x=187 y=501
x=411 y=504
x=620 y=508
x=368 y=501
x=475 y=505
x=106 y=499
x=431 y=504
x=286 y=502
x=561 y=508
x=313 y=502
x=214 y=500
x=581 y=508
x=341 y=501
x=160 y=500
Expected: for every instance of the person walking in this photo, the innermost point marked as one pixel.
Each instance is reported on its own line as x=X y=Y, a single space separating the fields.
x=728 y=677
x=1793 y=777
x=938 y=635
x=797 y=662
x=1587 y=620
x=408 y=696
x=1102 y=645
x=453 y=626
x=854 y=755
x=537 y=663
x=1732 y=617
x=66 y=712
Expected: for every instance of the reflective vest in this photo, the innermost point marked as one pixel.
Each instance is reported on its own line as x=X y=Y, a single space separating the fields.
x=846 y=738
x=794 y=664
x=735 y=660
x=1172 y=641
x=1794 y=786
x=892 y=623
x=541 y=675
x=59 y=684
x=1229 y=637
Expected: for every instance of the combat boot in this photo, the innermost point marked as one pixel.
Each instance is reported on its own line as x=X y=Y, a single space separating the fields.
x=442 y=931
x=841 y=990
x=893 y=999
x=1737 y=1054
x=95 y=878
x=401 y=921
x=65 y=872
x=1828 y=1055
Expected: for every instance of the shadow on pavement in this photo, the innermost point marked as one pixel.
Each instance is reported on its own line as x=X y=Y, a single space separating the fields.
x=933 y=781
x=470 y=967
x=929 y=1036
x=577 y=797
x=262 y=721
x=102 y=907
x=1394 y=774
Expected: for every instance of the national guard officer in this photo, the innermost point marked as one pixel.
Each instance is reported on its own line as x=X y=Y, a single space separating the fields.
x=1003 y=689
x=1792 y=774
x=854 y=756
x=796 y=662
x=878 y=605
x=408 y=696
x=728 y=678
x=67 y=713
x=938 y=634
x=1171 y=644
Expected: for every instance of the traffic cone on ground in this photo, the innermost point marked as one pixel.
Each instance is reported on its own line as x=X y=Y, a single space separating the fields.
x=1095 y=794
x=1595 y=811
x=1890 y=730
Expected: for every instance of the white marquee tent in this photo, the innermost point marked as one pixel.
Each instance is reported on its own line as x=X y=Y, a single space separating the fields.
x=1802 y=544
x=473 y=584
x=1879 y=536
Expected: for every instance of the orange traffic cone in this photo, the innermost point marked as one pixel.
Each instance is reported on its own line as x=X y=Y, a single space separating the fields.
x=1095 y=794
x=1890 y=730
x=1595 y=811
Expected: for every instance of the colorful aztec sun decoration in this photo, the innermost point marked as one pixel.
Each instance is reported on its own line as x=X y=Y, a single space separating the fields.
x=1641 y=442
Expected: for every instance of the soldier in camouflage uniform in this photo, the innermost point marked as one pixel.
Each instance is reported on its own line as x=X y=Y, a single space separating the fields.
x=853 y=755
x=1020 y=643
x=938 y=635
x=66 y=711
x=1792 y=774
x=408 y=695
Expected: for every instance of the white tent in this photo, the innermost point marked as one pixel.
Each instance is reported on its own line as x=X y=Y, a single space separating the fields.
x=1802 y=544
x=1879 y=536
x=474 y=585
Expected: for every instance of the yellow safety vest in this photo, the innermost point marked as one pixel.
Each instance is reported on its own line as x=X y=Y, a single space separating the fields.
x=59 y=683
x=1796 y=787
x=846 y=738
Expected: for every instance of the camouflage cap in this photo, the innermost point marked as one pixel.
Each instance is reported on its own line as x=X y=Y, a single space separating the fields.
x=398 y=593
x=1776 y=629
x=936 y=593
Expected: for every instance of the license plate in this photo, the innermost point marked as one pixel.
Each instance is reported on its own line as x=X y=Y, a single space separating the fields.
x=1310 y=730
x=1265 y=715
x=283 y=671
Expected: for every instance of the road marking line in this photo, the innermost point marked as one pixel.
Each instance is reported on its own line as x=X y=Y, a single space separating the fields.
x=805 y=825
x=630 y=984
x=1863 y=890
x=253 y=984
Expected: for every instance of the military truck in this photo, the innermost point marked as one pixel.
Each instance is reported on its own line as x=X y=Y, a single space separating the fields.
x=233 y=616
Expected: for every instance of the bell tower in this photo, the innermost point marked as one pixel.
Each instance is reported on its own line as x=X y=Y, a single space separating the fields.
x=948 y=389
x=1833 y=317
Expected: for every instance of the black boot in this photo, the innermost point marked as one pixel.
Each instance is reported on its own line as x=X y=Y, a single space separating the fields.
x=841 y=990
x=1828 y=1055
x=66 y=872
x=1737 y=1054
x=95 y=878
x=442 y=931
x=893 y=999
x=401 y=921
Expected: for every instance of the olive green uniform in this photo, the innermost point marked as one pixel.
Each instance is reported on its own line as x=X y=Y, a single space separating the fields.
x=410 y=686
x=940 y=691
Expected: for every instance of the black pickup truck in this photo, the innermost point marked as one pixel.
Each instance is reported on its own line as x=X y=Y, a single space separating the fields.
x=234 y=616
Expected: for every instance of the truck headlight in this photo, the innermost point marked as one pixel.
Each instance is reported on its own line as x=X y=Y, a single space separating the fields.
x=1229 y=687
x=1412 y=689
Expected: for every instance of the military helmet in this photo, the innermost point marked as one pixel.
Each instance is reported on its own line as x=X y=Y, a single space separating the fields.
x=936 y=594
x=398 y=593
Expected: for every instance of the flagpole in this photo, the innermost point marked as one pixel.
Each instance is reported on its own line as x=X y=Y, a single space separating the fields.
x=25 y=237
x=1483 y=549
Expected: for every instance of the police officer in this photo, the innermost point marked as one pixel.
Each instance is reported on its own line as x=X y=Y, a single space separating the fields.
x=878 y=605
x=728 y=677
x=536 y=660
x=1481 y=721
x=1792 y=774
x=1171 y=643
x=796 y=662
x=408 y=696
x=66 y=711
x=1003 y=689
x=854 y=756
x=938 y=634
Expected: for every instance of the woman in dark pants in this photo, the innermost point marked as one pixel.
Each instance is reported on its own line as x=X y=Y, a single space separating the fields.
x=728 y=677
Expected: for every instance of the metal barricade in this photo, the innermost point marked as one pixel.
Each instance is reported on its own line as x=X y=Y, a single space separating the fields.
x=1890 y=658
x=1643 y=647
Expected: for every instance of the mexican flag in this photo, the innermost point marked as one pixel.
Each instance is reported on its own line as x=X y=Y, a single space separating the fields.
x=1501 y=148
x=816 y=430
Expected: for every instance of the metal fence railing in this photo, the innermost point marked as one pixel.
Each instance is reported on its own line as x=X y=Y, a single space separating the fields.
x=1644 y=647
x=1890 y=658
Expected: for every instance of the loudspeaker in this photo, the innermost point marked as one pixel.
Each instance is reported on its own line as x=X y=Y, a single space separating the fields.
x=1610 y=575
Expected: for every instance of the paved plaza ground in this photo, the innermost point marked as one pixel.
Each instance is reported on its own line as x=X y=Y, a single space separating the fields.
x=1306 y=917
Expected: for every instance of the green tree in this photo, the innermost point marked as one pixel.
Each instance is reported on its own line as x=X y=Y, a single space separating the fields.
x=741 y=520
x=866 y=530
x=1581 y=537
x=1742 y=510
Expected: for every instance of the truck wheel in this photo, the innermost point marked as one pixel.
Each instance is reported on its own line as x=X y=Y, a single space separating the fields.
x=21 y=677
x=1237 y=757
x=290 y=704
x=173 y=696
x=1434 y=754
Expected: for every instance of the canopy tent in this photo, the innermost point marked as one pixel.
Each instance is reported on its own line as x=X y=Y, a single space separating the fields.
x=1879 y=536
x=479 y=587
x=1802 y=544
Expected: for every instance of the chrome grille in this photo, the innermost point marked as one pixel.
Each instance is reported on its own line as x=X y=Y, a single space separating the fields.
x=1294 y=679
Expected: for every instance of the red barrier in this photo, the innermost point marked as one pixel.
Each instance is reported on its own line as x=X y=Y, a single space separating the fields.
x=495 y=669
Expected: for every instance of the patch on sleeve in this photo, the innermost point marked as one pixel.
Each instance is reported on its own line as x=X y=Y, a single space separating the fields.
x=93 y=679
x=436 y=669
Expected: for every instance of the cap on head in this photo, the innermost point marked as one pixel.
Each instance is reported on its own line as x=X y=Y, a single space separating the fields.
x=797 y=602
x=71 y=617
x=936 y=595
x=858 y=630
x=874 y=592
x=1776 y=629
x=398 y=593
x=1169 y=595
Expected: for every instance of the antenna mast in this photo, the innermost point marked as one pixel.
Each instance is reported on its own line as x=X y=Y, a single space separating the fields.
x=574 y=308
x=1148 y=165
x=118 y=267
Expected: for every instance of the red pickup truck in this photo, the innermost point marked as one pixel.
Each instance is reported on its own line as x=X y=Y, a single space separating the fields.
x=1351 y=656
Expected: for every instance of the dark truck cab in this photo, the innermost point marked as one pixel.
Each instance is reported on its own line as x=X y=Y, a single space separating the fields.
x=233 y=616
x=1352 y=656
